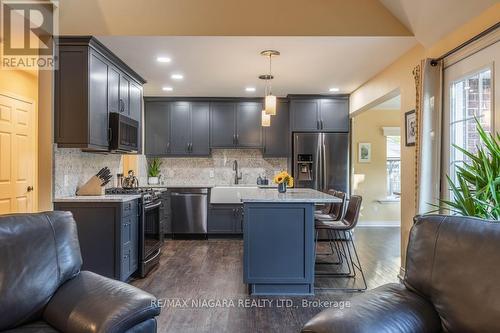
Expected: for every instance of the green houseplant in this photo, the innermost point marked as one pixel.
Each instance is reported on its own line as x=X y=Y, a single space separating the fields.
x=154 y=171
x=477 y=188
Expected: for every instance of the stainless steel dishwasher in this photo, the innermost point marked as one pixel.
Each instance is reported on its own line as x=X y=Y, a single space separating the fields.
x=189 y=211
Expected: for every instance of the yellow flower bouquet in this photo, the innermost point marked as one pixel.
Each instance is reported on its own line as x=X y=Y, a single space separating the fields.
x=283 y=179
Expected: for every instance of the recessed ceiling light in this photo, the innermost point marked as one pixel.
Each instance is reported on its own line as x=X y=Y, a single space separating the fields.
x=163 y=59
x=334 y=89
x=167 y=89
x=177 y=76
x=250 y=89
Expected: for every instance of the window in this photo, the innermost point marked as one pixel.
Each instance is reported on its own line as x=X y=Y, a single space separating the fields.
x=393 y=166
x=470 y=96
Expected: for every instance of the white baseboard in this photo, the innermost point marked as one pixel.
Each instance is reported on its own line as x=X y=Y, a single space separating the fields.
x=379 y=224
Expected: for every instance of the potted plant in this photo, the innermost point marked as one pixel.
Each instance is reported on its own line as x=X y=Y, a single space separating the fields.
x=283 y=179
x=154 y=171
x=477 y=188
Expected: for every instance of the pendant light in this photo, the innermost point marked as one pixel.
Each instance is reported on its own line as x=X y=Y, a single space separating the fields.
x=270 y=99
x=266 y=119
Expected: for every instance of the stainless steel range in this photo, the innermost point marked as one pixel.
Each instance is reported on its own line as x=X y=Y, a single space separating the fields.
x=150 y=228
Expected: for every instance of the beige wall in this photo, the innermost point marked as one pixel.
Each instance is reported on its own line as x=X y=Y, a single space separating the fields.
x=369 y=179
x=399 y=76
x=24 y=84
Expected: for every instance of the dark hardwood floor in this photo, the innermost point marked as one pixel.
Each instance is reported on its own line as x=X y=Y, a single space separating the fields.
x=210 y=273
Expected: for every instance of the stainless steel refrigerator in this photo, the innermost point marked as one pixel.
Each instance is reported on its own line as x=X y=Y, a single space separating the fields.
x=321 y=161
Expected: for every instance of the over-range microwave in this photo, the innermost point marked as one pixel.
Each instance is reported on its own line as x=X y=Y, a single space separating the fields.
x=124 y=133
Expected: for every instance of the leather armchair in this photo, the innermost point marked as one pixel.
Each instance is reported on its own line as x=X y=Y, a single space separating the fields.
x=43 y=290
x=451 y=284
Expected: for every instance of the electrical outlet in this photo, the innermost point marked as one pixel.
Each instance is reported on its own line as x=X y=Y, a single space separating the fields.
x=211 y=174
x=66 y=180
x=170 y=173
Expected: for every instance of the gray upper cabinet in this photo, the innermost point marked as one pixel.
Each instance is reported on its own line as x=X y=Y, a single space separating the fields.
x=320 y=114
x=124 y=94
x=180 y=128
x=90 y=83
x=248 y=124
x=135 y=101
x=277 y=136
x=98 y=108
x=157 y=127
x=304 y=115
x=176 y=128
x=235 y=124
x=222 y=124
x=200 y=134
x=334 y=115
x=113 y=89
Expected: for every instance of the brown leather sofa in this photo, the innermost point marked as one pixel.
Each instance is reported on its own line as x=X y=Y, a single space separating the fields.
x=43 y=290
x=451 y=284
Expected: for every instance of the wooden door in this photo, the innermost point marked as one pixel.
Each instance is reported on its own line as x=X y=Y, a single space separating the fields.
x=17 y=155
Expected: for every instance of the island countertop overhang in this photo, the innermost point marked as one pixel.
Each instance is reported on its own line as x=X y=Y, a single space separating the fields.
x=298 y=195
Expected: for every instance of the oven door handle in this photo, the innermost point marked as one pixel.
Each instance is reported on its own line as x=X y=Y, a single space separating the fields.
x=158 y=204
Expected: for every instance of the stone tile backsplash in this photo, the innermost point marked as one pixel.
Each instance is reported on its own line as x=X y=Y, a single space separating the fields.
x=72 y=168
x=217 y=169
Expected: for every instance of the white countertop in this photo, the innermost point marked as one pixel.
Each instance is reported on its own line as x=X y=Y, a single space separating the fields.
x=98 y=198
x=238 y=195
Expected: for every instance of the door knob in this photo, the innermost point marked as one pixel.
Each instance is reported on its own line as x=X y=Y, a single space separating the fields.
x=30 y=188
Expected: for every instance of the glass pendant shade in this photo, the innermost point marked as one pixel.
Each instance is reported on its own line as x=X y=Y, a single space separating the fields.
x=270 y=105
x=266 y=119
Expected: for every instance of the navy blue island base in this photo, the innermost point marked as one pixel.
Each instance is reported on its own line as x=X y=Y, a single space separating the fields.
x=279 y=249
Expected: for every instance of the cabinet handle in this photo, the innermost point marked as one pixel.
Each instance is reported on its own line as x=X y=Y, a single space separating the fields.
x=234 y=139
x=110 y=136
x=317 y=124
x=237 y=138
x=168 y=147
x=121 y=106
x=321 y=123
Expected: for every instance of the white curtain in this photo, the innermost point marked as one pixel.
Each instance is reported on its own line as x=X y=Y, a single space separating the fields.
x=429 y=138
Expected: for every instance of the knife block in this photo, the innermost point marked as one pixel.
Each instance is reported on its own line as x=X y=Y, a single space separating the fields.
x=91 y=187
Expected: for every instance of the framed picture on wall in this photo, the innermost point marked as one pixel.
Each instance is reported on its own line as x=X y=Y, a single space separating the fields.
x=364 y=152
x=411 y=128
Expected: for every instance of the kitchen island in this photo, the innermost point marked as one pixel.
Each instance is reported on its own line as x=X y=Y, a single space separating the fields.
x=278 y=233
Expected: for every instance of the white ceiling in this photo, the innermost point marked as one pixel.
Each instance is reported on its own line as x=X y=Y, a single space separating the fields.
x=224 y=66
x=430 y=20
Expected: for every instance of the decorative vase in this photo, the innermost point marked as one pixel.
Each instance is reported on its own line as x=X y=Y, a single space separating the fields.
x=282 y=187
x=153 y=180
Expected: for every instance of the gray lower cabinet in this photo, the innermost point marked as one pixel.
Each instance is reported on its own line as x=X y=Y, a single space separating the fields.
x=277 y=136
x=108 y=233
x=225 y=219
x=319 y=114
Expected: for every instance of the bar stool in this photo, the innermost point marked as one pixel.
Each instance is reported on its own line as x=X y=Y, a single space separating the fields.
x=340 y=232
x=335 y=213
